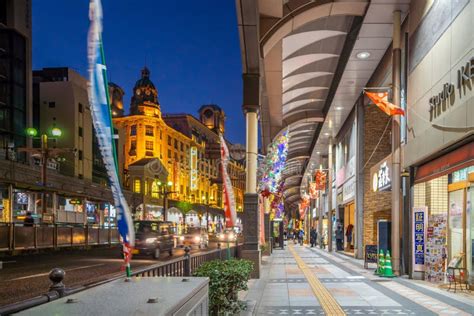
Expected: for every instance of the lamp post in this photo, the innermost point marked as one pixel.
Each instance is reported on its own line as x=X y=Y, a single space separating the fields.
x=165 y=192
x=45 y=152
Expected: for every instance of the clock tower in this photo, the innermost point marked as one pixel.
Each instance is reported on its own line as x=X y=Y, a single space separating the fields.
x=145 y=97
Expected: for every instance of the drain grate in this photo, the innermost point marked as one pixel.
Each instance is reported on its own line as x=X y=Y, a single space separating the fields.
x=381 y=280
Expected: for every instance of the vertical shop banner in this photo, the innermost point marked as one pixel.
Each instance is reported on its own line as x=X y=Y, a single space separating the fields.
x=419 y=237
x=102 y=121
x=229 y=200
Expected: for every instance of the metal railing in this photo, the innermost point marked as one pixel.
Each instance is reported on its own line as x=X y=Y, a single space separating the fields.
x=15 y=236
x=180 y=267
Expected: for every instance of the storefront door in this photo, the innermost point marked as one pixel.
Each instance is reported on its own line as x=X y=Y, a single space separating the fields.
x=470 y=231
x=457 y=216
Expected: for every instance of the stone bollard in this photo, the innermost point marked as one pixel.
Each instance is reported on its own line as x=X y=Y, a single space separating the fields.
x=187 y=262
x=56 y=276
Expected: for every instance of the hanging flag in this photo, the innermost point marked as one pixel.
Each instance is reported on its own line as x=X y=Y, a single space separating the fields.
x=229 y=200
x=102 y=119
x=381 y=100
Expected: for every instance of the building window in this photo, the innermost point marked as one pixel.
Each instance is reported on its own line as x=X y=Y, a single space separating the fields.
x=154 y=190
x=133 y=130
x=80 y=131
x=181 y=145
x=169 y=140
x=81 y=109
x=149 y=145
x=80 y=155
x=133 y=148
x=161 y=134
x=175 y=144
x=149 y=130
x=169 y=154
x=52 y=104
x=137 y=186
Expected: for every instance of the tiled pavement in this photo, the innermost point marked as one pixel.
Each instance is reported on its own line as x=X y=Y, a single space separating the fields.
x=283 y=289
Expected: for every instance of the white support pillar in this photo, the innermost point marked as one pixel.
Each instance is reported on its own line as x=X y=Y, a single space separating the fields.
x=329 y=195
x=396 y=153
x=251 y=152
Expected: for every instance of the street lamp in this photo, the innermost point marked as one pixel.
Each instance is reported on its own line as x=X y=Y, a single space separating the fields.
x=164 y=191
x=45 y=153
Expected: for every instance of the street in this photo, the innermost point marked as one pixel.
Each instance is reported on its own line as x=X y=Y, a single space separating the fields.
x=26 y=276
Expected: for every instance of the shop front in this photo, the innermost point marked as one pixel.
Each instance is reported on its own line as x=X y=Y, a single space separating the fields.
x=346 y=189
x=444 y=191
x=439 y=149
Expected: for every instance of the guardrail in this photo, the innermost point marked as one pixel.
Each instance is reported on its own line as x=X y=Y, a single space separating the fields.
x=19 y=237
x=180 y=267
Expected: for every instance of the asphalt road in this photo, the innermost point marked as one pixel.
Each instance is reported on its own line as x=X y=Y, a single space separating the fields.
x=26 y=276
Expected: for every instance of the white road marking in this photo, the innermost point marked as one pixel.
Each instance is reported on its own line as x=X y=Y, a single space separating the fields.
x=47 y=273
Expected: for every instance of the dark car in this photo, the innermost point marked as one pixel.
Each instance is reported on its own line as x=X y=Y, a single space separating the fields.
x=193 y=236
x=153 y=238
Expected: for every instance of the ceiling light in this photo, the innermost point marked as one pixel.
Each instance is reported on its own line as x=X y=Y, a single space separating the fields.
x=363 y=55
x=326 y=134
x=318 y=152
x=339 y=108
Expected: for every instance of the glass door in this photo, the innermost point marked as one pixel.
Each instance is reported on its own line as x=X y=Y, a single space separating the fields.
x=470 y=232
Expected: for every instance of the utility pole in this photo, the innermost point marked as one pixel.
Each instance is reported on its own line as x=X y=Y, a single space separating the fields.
x=396 y=154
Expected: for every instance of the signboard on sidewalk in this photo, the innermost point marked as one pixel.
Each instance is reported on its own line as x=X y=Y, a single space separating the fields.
x=419 y=237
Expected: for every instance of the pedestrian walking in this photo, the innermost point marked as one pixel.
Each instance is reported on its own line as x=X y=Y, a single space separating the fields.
x=339 y=238
x=301 y=237
x=313 y=236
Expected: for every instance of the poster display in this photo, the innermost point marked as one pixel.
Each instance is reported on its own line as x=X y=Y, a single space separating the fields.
x=436 y=252
x=419 y=237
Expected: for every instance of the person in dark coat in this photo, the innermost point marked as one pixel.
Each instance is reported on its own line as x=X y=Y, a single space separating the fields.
x=29 y=220
x=313 y=236
x=339 y=238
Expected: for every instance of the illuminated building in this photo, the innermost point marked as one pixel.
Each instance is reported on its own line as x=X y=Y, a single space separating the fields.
x=175 y=149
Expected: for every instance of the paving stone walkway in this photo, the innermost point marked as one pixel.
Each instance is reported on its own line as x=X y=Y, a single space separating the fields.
x=308 y=281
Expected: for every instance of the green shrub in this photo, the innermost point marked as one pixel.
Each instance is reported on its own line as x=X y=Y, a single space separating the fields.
x=227 y=278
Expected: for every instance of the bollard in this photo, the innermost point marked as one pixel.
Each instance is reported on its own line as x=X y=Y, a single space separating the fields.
x=187 y=262
x=56 y=276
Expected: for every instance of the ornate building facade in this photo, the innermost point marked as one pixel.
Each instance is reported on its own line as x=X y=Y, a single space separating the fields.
x=170 y=159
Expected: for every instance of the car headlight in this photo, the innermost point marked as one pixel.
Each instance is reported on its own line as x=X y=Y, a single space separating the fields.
x=231 y=236
x=150 y=240
x=197 y=238
x=181 y=238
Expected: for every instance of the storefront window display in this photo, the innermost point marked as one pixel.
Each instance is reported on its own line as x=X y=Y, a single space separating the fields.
x=5 y=215
x=450 y=232
x=93 y=213
x=110 y=215
x=28 y=201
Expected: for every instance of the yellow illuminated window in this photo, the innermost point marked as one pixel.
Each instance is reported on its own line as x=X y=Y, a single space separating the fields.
x=149 y=130
x=154 y=190
x=149 y=145
x=137 y=186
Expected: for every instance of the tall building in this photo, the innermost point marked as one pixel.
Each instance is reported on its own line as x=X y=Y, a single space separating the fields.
x=63 y=102
x=15 y=74
x=165 y=156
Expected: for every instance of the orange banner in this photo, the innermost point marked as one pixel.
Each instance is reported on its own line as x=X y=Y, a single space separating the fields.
x=381 y=100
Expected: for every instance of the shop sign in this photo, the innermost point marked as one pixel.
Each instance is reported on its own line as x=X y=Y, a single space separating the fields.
x=419 y=237
x=382 y=175
x=348 y=190
x=194 y=170
x=75 y=202
x=464 y=76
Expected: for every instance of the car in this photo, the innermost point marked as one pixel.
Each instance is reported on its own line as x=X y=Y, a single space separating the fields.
x=153 y=238
x=228 y=235
x=193 y=236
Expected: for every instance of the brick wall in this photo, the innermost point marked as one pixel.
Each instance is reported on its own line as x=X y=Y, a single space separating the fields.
x=377 y=205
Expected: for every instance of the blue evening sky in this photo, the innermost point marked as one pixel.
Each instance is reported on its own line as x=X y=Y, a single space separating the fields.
x=191 y=48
